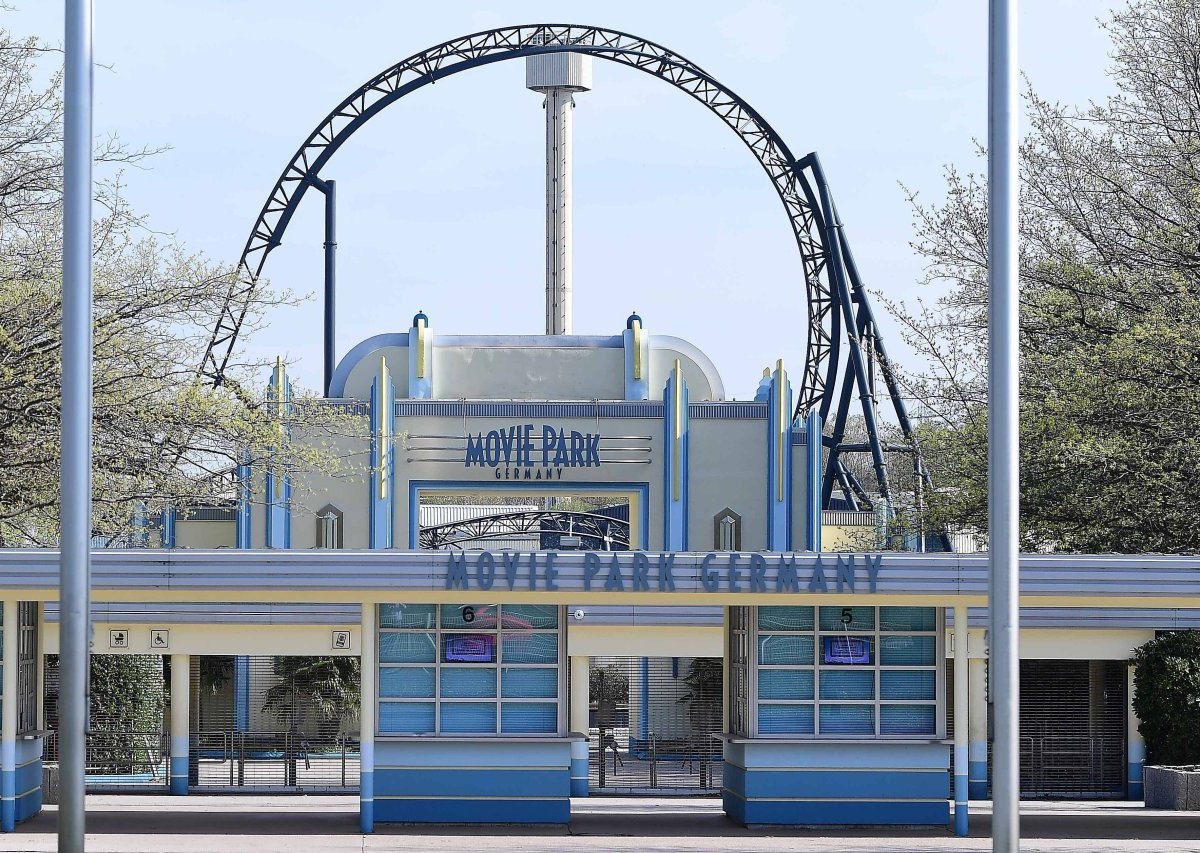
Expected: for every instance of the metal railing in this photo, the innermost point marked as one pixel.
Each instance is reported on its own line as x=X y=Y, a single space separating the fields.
x=121 y=759
x=269 y=760
x=1072 y=766
x=620 y=763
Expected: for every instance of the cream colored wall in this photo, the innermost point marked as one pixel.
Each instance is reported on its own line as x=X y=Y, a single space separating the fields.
x=645 y=640
x=219 y=639
x=800 y=496
x=358 y=383
x=205 y=534
x=528 y=373
x=727 y=468
x=347 y=488
x=835 y=537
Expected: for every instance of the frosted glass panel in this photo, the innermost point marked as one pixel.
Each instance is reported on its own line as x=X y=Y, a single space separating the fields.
x=785 y=684
x=468 y=717
x=847 y=684
x=406 y=647
x=785 y=649
x=406 y=682
x=530 y=616
x=529 y=717
x=407 y=616
x=520 y=683
x=775 y=618
x=785 y=719
x=468 y=682
x=907 y=719
x=907 y=651
x=529 y=648
x=848 y=719
x=458 y=616
x=406 y=717
x=847 y=618
x=907 y=619
x=918 y=684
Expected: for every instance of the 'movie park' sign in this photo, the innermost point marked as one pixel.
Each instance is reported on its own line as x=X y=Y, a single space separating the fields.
x=634 y=571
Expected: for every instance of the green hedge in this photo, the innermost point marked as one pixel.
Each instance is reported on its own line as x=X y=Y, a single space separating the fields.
x=1166 y=697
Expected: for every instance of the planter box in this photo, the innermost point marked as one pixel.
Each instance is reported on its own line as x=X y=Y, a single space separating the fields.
x=1176 y=788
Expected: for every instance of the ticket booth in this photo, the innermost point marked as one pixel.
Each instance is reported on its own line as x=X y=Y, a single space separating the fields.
x=836 y=716
x=471 y=715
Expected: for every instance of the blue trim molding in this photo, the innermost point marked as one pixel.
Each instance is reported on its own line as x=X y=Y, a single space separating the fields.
x=676 y=415
x=475 y=781
x=279 y=485
x=812 y=481
x=381 y=532
x=242 y=518
x=779 y=462
x=579 y=768
x=977 y=770
x=637 y=360
x=420 y=359
x=801 y=783
x=167 y=523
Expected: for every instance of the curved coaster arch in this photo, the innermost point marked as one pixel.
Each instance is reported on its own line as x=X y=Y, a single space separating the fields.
x=835 y=298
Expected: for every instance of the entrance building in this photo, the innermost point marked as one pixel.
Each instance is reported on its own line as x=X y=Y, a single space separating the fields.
x=573 y=553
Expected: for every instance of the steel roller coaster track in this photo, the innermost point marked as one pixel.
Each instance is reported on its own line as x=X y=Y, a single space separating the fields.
x=844 y=353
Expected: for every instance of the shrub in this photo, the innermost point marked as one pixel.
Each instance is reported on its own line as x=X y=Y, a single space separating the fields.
x=1166 y=697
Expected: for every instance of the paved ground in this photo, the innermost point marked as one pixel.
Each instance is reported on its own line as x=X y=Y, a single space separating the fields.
x=203 y=824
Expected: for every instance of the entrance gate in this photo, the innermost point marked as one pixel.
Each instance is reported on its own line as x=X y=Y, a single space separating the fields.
x=652 y=723
x=278 y=723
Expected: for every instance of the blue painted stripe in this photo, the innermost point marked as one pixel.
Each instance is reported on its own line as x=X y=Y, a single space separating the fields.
x=499 y=754
x=28 y=777
x=841 y=813
x=366 y=816
x=8 y=800
x=179 y=775
x=961 y=824
x=29 y=805
x=472 y=811
x=447 y=782
x=848 y=784
x=877 y=755
x=579 y=777
x=977 y=780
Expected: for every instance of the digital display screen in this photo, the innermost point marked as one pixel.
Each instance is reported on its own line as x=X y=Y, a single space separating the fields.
x=847 y=650
x=469 y=648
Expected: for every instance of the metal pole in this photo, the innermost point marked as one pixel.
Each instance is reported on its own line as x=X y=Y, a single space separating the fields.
x=330 y=272
x=329 y=189
x=75 y=499
x=1003 y=424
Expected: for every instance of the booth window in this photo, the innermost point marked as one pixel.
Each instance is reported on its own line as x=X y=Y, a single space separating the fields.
x=859 y=672
x=27 y=673
x=329 y=527
x=727 y=531
x=739 y=670
x=470 y=669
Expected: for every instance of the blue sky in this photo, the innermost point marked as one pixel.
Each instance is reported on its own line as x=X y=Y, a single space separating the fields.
x=440 y=196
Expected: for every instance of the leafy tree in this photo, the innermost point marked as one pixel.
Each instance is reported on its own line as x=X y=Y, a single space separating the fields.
x=321 y=691
x=609 y=687
x=162 y=435
x=704 y=680
x=1166 y=697
x=1110 y=300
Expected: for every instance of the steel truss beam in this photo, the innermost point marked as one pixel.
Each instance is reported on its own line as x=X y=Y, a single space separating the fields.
x=834 y=294
x=610 y=534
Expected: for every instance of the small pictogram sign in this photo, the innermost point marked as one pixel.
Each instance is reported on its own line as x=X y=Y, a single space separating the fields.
x=160 y=638
x=341 y=640
x=118 y=638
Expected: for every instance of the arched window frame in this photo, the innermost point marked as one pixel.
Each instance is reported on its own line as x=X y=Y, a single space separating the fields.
x=329 y=516
x=727 y=518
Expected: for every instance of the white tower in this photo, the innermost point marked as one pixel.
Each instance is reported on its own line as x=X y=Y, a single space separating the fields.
x=558 y=76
